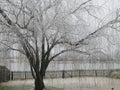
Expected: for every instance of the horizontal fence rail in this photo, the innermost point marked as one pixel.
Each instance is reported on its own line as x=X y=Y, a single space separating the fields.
x=62 y=74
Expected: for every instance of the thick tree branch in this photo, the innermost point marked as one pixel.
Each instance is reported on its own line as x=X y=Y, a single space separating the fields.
x=68 y=50
x=11 y=48
x=29 y=50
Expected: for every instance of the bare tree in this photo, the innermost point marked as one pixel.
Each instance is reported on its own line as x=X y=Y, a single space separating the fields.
x=40 y=27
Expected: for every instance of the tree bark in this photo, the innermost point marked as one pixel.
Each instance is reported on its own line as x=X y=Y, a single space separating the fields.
x=39 y=84
x=39 y=76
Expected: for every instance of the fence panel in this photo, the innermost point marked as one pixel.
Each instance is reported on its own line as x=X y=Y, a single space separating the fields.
x=61 y=74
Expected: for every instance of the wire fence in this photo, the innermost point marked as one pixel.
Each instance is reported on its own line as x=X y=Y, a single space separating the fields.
x=62 y=74
x=6 y=75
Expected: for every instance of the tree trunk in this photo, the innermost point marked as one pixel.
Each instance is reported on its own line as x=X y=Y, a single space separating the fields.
x=39 y=84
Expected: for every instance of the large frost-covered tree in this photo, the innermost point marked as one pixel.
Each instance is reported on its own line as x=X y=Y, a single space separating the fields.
x=40 y=27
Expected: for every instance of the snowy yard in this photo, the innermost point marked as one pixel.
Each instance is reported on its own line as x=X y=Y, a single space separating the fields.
x=83 y=83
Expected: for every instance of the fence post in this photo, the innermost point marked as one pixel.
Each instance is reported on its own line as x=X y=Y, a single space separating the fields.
x=63 y=74
x=71 y=73
x=112 y=88
x=11 y=75
x=95 y=73
x=25 y=75
x=79 y=73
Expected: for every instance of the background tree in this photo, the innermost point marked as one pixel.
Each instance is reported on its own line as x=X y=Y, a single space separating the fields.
x=44 y=29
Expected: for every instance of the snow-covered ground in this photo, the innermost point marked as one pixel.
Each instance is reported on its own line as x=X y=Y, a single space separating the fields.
x=83 y=83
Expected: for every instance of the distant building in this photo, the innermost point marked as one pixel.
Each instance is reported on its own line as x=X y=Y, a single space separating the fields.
x=4 y=74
